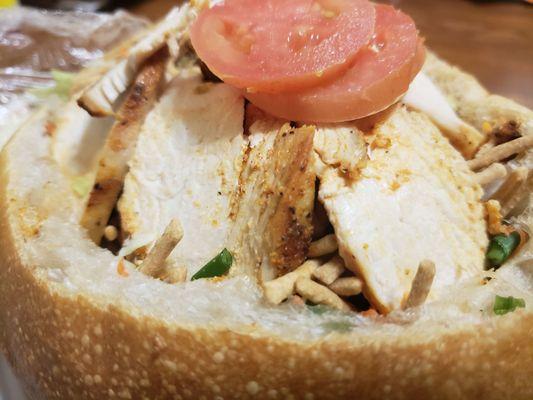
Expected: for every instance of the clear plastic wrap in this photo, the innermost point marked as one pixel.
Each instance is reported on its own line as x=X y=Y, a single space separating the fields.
x=34 y=42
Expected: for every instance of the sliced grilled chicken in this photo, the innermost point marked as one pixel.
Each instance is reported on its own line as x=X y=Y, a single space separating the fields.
x=290 y=229
x=120 y=144
x=99 y=98
x=414 y=198
x=274 y=204
x=250 y=200
x=186 y=166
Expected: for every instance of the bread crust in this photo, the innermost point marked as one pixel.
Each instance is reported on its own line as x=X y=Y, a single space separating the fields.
x=65 y=347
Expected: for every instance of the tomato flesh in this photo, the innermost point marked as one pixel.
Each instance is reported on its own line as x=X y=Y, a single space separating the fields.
x=276 y=46
x=380 y=74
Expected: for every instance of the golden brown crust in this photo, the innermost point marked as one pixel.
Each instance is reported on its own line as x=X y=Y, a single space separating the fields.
x=66 y=346
x=290 y=228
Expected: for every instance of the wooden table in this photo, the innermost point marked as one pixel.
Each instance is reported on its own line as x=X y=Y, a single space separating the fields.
x=492 y=40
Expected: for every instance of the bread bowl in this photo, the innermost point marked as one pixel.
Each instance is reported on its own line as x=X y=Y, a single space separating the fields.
x=77 y=322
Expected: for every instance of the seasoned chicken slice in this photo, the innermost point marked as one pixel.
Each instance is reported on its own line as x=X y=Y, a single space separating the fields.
x=120 y=144
x=414 y=198
x=289 y=230
x=186 y=166
x=274 y=204
x=99 y=98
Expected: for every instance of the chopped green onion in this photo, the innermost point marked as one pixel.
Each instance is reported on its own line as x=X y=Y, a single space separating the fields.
x=501 y=247
x=218 y=266
x=338 y=326
x=503 y=305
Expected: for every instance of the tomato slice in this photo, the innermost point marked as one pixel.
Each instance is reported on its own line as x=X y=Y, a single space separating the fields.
x=280 y=45
x=380 y=74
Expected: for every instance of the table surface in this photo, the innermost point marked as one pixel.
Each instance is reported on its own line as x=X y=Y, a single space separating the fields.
x=493 y=40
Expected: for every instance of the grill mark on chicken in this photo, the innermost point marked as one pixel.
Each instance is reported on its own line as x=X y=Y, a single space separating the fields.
x=291 y=227
x=273 y=217
x=120 y=143
x=239 y=190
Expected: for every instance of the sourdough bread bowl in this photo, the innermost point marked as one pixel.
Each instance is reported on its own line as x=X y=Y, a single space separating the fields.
x=78 y=321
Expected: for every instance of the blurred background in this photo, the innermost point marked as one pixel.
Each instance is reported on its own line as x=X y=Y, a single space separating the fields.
x=491 y=39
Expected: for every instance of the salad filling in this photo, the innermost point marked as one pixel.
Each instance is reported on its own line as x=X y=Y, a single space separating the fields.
x=338 y=213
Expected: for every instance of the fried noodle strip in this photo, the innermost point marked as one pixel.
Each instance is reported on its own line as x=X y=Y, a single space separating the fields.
x=330 y=271
x=279 y=289
x=490 y=174
x=421 y=284
x=321 y=247
x=154 y=264
x=501 y=152
x=349 y=286
x=319 y=294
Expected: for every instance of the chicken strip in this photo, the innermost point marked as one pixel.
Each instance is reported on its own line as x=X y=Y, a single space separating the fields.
x=100 y=98
x=414 y=198
x=120 y=144
x=185 y=167
x=274 y=204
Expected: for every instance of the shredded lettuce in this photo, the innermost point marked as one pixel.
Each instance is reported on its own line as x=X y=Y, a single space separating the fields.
x=62 y=85
x=81 y=185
